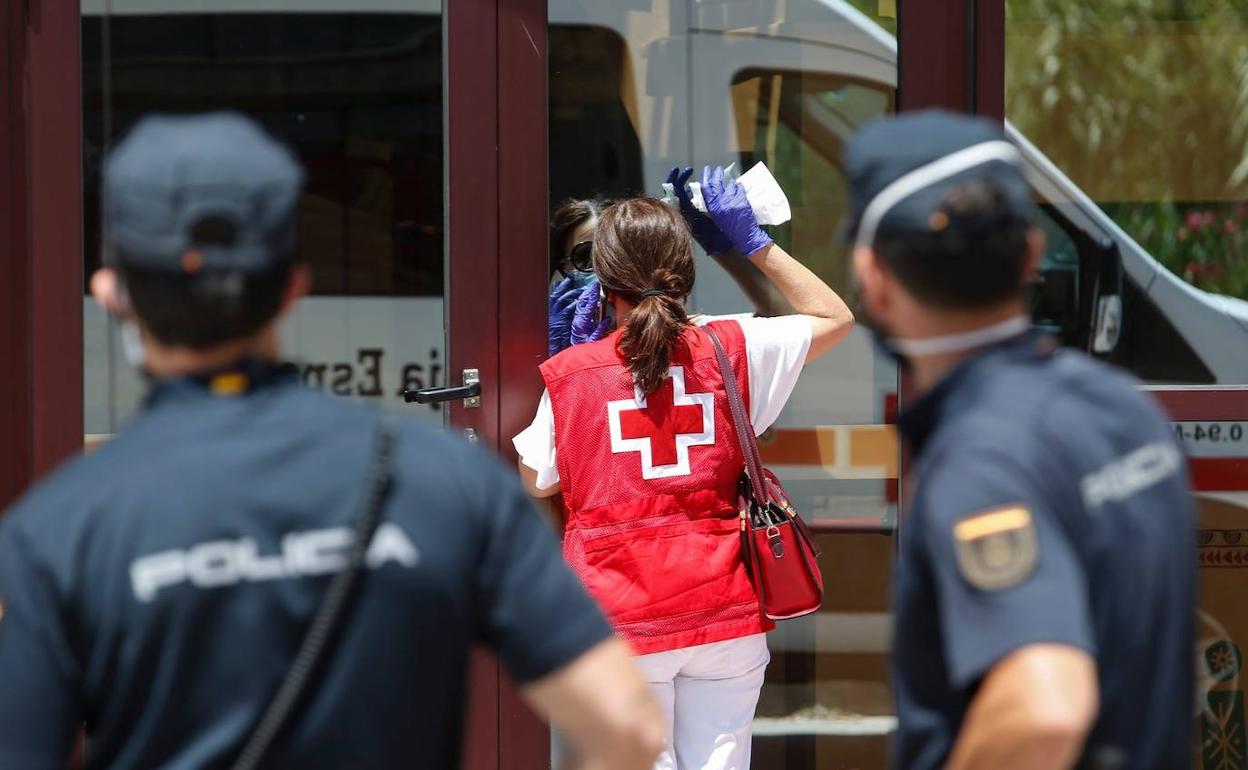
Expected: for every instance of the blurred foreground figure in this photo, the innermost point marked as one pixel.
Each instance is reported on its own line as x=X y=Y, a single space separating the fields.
x=160 y=589
x=1045 y=587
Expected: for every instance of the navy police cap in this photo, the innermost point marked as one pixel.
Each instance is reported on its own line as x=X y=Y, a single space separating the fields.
x=175 y=177
x=900 y=170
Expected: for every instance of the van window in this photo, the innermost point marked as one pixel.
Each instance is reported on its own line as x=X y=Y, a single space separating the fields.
x=1062 y=303
x=1055 y=305
x=594 y=147
x=1141 y=105
x=798 y=124
x=1151 y=348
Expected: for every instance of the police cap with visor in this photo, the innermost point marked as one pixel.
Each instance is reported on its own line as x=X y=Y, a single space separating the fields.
x=205 y=192
x=902 y=169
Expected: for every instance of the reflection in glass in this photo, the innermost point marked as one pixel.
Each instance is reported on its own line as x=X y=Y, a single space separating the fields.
x=358 y=96
x=638 y=87
x=1140 y=106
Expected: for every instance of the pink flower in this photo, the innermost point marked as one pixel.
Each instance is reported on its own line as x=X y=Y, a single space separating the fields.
x=1241 y=211
x=1229 y=226
x=1207 y=219
x=1192 y=220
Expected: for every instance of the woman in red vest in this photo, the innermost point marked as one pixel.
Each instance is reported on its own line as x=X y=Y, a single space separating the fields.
x=635 y=431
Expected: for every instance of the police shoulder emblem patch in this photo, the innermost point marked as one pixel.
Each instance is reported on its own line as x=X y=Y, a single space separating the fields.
x=996 y=549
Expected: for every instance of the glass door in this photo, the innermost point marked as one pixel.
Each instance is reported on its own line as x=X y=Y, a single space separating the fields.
x=355 y=89
x=636 y=88
x=384 y=102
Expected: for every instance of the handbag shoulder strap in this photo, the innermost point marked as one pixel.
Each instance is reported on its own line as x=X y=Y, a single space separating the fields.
x=331 y=612
x=740 y=419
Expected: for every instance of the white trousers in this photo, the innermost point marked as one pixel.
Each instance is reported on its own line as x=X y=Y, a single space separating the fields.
x=708 y=694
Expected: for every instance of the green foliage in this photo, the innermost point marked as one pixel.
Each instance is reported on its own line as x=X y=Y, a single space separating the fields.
x=1203 y=244
x=1144 y=103
x=873 y=9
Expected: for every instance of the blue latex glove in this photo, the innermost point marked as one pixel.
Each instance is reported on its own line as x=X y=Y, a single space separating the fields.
x=559 y=317
x=704 y=230
x=730 y=210
x=585 y=327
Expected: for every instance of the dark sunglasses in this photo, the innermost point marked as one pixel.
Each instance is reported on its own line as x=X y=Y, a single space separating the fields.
x=581 y=258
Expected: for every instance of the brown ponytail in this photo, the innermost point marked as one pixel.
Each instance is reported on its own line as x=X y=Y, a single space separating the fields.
x=643 y=253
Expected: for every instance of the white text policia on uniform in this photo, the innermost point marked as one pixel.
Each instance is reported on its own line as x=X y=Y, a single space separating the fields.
x=229 y=562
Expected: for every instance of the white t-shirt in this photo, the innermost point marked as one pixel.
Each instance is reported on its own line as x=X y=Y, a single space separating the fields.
x=775 y=351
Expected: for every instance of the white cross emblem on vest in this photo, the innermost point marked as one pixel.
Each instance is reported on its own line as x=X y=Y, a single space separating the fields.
x=662 y=426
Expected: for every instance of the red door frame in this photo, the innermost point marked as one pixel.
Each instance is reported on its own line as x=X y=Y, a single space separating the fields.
x=471 y=139
x=524 y=741
x=496 y=76
x=40 y=240
x=951 y=54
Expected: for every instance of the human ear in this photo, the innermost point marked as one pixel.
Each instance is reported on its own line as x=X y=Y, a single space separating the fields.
x=298 y=285
x=872 y=280
x=1035 y=253
x=109 y=293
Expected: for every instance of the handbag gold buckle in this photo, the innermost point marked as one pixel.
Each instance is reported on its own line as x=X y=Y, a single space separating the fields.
x=773 y=539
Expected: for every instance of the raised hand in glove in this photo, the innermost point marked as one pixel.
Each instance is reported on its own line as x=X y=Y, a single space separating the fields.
x=559 y=316
x=704 y=230
x=585 y=324
x=729 y=209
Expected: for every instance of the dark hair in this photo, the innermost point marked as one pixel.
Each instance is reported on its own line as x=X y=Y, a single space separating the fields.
x=642 y=245
x=972 y=257
x=207 y=309
x=570 y=215
x=203 y=309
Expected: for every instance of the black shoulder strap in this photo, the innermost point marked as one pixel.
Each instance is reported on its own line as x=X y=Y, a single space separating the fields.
x=329 y=615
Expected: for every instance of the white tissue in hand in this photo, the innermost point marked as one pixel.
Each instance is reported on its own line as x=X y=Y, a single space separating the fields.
x=768 y=201
x=695 y=196
x=770 y=204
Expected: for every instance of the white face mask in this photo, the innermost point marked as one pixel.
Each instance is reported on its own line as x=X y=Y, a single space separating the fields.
x=961 y=343
x=131 y=343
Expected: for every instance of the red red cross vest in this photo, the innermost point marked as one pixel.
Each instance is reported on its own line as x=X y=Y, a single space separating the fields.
x=650 y=485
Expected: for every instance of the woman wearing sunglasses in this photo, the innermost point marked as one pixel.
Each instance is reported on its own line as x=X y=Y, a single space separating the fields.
x=571 y=248
x=635 y=431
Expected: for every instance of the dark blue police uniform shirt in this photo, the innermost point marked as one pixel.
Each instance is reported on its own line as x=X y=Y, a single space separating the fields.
x=1051 y=505
x=158 y=589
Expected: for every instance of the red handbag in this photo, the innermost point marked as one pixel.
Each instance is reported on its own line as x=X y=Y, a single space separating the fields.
x=779 y=550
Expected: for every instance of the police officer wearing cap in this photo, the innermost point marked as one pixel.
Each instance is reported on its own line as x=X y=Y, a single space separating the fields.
x=158 y=590
x=1044 y=590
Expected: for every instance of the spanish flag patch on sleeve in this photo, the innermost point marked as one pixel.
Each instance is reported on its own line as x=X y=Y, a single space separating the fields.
x=996 y=549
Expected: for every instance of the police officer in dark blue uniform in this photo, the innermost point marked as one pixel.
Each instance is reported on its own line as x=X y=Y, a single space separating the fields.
x=159 y=589
x=1045 y=587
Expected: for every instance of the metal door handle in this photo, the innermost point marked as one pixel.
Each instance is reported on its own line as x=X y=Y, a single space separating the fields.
x=470 y=392
x=439 y=395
